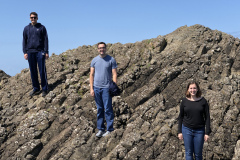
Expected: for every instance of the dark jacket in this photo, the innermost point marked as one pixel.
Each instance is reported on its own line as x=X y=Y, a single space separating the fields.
x=35 y=38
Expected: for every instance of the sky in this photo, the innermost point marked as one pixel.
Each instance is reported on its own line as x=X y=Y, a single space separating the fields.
x=74 y=23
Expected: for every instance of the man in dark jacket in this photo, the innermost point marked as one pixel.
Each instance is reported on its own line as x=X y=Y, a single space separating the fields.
x=35 y=49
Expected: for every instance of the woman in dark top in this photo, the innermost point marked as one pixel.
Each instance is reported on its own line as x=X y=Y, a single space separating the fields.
x=193 y=117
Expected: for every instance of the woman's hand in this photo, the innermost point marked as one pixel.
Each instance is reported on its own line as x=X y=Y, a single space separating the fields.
x=180 y=136
x=206 y=137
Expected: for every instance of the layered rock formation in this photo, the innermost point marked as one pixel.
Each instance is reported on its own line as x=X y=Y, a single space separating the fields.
x=153 y=75
x=3 y=75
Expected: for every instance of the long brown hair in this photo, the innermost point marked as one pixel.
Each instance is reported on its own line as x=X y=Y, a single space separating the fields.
x=199 y=92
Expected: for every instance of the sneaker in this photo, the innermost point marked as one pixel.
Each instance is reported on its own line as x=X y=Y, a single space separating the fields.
x=107 y=133
x=44 y=93
x=99 y=134
x=33 y=93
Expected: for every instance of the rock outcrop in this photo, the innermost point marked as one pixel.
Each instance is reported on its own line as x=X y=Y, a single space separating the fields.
x=3 y=75
x=152 y=75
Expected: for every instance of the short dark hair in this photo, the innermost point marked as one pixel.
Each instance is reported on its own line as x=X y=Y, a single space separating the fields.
x=34 y=13
x=102 y=43
x=199 y=92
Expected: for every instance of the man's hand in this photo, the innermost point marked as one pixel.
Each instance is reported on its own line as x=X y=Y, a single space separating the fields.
x=46 y=55
x=92 y=92
x=26 y=56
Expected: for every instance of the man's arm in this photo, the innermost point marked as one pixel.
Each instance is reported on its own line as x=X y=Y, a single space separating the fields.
x=45 y=42
x=24 y=43
x=114 y=73
x=91 y=77
x=45 y=37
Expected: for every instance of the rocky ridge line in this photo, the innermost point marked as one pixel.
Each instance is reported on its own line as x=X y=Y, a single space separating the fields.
x=153 y=75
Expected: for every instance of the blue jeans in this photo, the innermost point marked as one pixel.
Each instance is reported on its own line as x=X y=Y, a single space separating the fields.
x=193 y=142
x=38 y=59
x=104 y=108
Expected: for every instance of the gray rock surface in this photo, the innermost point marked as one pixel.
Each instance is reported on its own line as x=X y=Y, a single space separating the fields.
x=3 y=78
x=153 y=75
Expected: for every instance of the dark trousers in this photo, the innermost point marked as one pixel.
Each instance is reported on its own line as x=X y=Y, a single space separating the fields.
x=38 y=59
x=104 y=108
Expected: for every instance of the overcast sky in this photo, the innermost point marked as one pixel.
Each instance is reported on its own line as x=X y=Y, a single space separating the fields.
x=74 y=23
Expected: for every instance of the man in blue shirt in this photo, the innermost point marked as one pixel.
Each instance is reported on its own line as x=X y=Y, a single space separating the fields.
x=35 y=49
x=103 y=70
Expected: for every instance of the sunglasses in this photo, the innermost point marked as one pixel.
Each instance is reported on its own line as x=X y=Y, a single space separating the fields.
x=102 y=48
x=33 y=17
